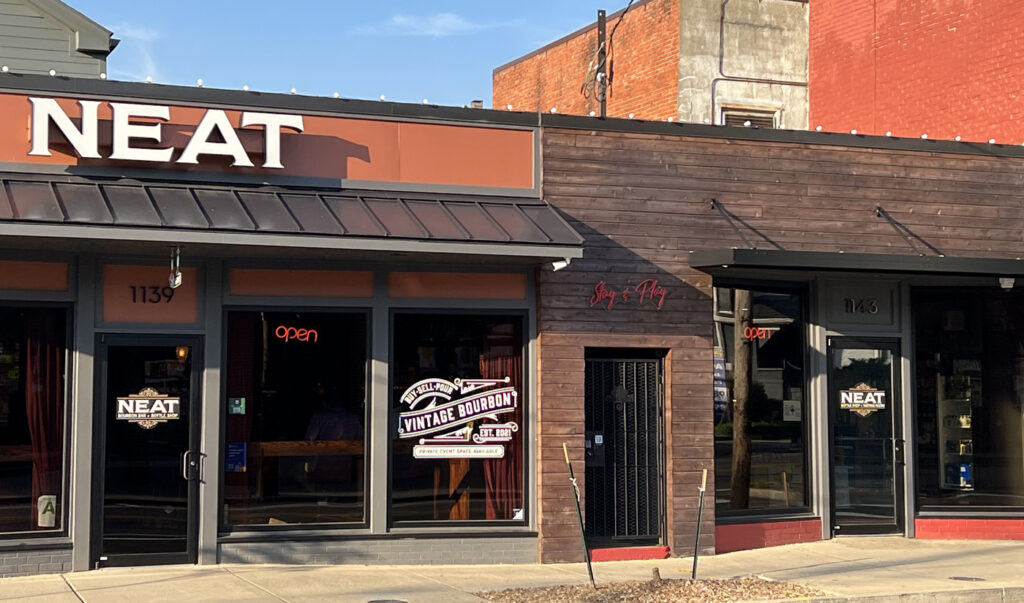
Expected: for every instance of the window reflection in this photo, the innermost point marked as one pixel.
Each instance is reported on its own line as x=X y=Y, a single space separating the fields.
x=970 y=391
x=461 y=488
x=32 y=373
x=295 y=417
x=759 y=402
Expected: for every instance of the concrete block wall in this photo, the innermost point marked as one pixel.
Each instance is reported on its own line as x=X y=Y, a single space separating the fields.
x=918 y=67
x=387 y=551
x=28 y=562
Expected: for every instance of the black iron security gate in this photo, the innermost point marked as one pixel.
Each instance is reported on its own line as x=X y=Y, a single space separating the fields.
x=624 y=459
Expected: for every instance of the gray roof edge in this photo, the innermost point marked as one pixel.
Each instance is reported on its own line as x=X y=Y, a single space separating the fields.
x=719 y=260
x=272 y=101
x=220 y=237
x=90 y=36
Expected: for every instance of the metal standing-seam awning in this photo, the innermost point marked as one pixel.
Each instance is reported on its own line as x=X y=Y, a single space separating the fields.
x=71 y=207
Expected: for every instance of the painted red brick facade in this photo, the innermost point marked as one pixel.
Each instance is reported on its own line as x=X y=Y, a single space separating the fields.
x=940 y=67
x=970 y=529
x=741 y=537
x=645 y=50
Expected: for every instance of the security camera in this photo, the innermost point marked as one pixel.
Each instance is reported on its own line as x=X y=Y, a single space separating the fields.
x=560 y=264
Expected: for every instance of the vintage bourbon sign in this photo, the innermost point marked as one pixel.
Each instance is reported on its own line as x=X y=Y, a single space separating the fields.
x=446 y=417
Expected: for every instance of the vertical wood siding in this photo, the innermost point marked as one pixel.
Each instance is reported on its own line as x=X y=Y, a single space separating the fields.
x=642 y=202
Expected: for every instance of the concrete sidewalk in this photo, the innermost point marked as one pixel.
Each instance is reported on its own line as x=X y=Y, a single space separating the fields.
x=860 y=568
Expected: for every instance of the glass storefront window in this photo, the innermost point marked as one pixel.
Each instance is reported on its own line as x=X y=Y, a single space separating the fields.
x=969 y=346
x=759 y=353
x=457 y=418
x=33 y=366
x=295 y=418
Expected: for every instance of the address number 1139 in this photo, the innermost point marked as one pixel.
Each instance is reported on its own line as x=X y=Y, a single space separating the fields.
x=151 y=294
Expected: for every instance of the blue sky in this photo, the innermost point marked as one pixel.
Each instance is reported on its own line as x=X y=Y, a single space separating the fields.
x=408 y=51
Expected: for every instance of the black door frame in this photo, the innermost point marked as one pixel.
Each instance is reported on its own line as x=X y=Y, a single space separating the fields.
x=642 y=355
x=101 y=405
x=840 y=342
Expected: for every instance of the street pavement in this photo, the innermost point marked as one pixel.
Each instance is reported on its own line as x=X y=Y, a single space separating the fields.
x=865 y=569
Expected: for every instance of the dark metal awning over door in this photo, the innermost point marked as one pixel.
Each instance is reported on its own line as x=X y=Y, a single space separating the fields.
x=82 y=208
x=725 y=262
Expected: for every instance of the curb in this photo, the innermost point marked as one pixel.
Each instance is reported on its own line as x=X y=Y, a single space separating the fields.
x=1013 y=594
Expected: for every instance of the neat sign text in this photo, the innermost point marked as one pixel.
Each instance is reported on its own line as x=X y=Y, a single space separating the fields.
x=214 y=135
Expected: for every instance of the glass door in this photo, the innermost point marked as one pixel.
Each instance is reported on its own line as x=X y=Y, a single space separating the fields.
x=147 y=425
x=867 y=452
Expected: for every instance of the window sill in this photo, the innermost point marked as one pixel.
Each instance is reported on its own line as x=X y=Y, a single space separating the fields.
x=342 y=533
x=795 y=515
x=37 y=543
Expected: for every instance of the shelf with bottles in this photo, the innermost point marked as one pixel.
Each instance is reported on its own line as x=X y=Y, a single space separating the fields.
x=956 y=396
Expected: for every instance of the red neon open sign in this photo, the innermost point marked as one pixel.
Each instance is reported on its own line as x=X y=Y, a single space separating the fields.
x=295 y=334
x=757 y=333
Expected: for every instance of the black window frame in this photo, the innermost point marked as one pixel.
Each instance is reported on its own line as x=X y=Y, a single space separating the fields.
x=924 y=511
x=767 y=515
x=62 y=534
x=526 y=428
x=238 y=532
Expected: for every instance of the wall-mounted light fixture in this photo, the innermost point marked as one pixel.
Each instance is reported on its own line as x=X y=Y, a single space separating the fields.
x=1006 y=282
x=181 y=352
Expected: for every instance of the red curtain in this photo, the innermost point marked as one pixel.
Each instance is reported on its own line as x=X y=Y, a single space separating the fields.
x=44 y=400
x=503 y=478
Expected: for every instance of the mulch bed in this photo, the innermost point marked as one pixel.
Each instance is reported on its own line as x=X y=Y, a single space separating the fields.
x=674 y=591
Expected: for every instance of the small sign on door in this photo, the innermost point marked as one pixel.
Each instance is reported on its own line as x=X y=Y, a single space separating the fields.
x=148 y=408
x=791 y=410
x=46 y=508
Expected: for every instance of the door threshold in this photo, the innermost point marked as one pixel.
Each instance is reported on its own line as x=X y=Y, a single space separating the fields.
x=629 y=553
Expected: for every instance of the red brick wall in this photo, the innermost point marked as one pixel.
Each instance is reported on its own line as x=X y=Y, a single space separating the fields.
x=941 y=67
x=645 y=52
x=970 y=529
x=741 y=537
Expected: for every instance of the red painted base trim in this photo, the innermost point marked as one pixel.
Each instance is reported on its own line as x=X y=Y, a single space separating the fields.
x=745 y=536
x=629 y=553
x=969 y=529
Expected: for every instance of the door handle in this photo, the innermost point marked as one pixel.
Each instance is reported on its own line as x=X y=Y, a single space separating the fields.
x=186 y=464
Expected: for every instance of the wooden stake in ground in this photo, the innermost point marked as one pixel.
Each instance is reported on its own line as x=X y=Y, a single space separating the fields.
x=579 y=514
x=700 y=513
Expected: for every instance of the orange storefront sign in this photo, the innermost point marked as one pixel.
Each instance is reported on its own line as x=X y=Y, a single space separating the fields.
x=328 y=147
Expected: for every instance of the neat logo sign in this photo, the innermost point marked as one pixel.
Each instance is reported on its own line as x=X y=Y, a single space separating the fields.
x=862 y=399
x=148 y=408
x=213 y=136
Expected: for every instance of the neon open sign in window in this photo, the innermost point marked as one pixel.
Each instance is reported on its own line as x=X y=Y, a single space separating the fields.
x=753 y=333
x=296 y=334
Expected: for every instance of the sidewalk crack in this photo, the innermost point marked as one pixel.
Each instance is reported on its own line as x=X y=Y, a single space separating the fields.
x=254 y=585
x=74 y=591
x=445 y=584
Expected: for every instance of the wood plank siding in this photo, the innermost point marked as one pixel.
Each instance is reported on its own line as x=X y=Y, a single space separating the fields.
x=642 y=202
x=32 y=41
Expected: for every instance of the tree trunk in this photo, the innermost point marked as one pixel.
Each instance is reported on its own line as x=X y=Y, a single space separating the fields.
x=740 y=496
